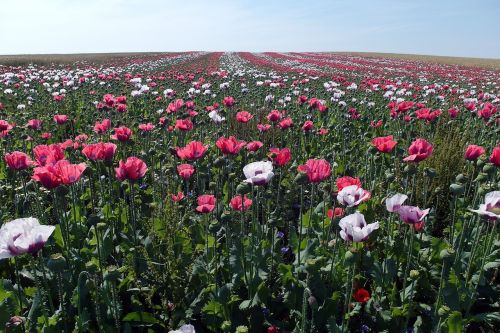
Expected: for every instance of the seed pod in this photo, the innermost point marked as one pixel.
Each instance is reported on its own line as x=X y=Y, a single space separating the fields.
x=56 y=262
x=457 y=189
x=111 y=274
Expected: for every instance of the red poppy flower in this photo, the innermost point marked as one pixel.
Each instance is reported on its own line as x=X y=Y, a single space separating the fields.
x=280 y=157
x=347 y=181
x=317 y=170
x=185 y=171
x=229 y=146
x=243 y=116
x=240 y=203
x=192 y=151
x=132 y=169
x=18 y=160
x=495 y=157
x=184 y=124
x=384 y=144
x=472 y=152
x=122 y=134
x=361 y=295
x=100 y=151
x=206 y=203
x=335 y=213
x=177 y=197
x=419 y=150
x=254 y=145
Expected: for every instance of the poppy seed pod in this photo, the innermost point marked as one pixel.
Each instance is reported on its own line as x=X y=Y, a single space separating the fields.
x=56 y=263
x=112 y=274
x=93 y=220
x=457 y=189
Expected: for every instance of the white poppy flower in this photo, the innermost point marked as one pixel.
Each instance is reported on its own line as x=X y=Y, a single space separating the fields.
x=258 y=173
x=355 y=229
x=395 y=202
x=24 y=235
x=491 y=206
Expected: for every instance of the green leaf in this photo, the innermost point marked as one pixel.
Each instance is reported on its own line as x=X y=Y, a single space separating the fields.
x=455 y=322
x=141 y=317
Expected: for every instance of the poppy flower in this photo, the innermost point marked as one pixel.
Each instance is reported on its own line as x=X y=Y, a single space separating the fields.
x=50 y=154
x=347 y=181
x=35 y=124
x=24 y=235
x=146 y=127
x=453 y=112
x=263 y=127
x=419 y=150
x=317 y=170
x=491 y=206
x=352 y=195
x=395 y=202
x=60 y=119
x=495 y=157
x=175 y=106
x=274 y=116
x=184 y=124
x=258 y=173
x=177 y=197
x=206 y=203
x=230 y=146
x=472 y=152
x=412 y=214
x=122 y=134
x=254 y=146
x=69 y=173
x=280 y=157
x=384 y=144
x=185 y=171
x=355 y=229
x=285 y=123
x=192 y=151
x=103 y=126
x=361 y=295
x=216 y=118
x=100 y=151
x=18 y=160
x=240 y=203
x=47 y=176
x=243 y=116
x=228 y=101
x=308 y=126
x=132 y=169
x=335 y=213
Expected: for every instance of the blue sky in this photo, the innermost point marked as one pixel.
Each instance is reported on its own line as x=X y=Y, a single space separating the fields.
x=438 y=27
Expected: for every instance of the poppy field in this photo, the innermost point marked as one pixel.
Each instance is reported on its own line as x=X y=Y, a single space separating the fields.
x=249 y=192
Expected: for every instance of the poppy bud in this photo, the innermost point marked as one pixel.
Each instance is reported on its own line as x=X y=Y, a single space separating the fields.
x=243 y=188
x=301 y=178
x=489 y=169
x=460 y=178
